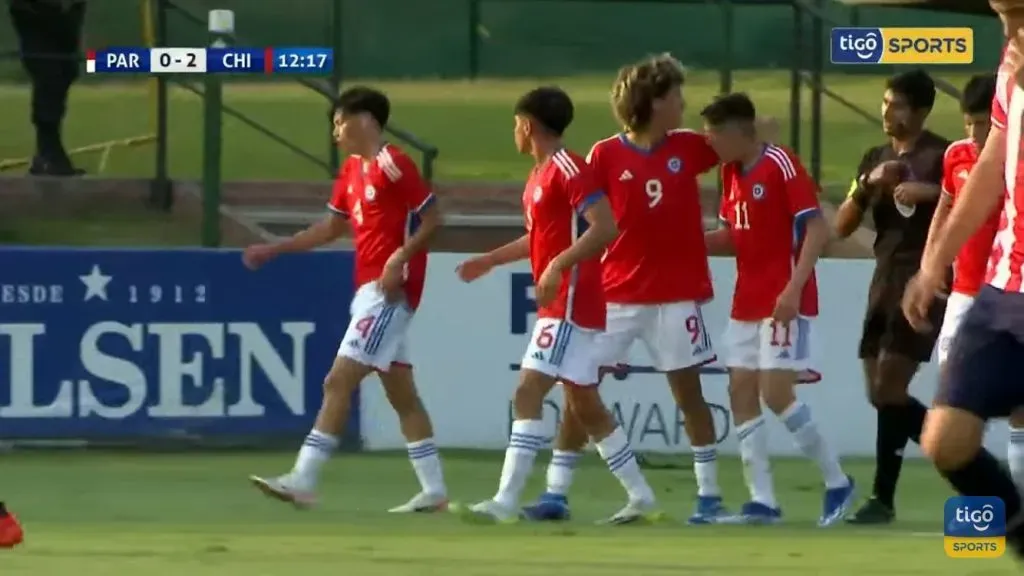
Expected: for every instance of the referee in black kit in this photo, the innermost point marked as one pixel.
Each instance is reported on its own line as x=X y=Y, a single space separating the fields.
x=899 y=183
x=49 y=34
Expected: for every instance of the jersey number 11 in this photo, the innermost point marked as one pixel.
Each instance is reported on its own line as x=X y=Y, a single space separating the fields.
x=741 y=216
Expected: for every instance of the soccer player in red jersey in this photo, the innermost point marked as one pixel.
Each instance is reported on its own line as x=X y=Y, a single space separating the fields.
x=972 y=262
x=393 y=215
x=11 y=533
x=654 y=289
x=774 y=225
x=981 y=377
x=569 y=224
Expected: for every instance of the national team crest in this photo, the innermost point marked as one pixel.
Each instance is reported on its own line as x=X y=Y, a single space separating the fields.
x=370 y=193
x=675 y=165
x=538 y=192
x=758 y=191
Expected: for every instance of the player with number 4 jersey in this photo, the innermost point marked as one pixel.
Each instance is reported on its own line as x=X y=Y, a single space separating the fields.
x=656 y=273
x=773 y=224
x=392 y=213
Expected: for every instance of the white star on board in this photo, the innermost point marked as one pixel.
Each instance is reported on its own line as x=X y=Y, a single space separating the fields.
x=95 y=284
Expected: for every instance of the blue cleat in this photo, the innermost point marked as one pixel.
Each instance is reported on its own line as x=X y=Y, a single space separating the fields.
x=837 y=503
x=709 y=510
x=548 y=508
x=755 y=513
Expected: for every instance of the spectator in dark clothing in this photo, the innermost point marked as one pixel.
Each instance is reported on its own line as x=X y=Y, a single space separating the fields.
x=50 y=34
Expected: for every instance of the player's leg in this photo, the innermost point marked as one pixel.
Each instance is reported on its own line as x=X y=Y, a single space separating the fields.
x=539 y=373
x=784 y=354
x=678 y=342
x=370 y=343
x=900 y=416
x=980 y=383
x=741 y=357
x=400 y=388
x=612 y=347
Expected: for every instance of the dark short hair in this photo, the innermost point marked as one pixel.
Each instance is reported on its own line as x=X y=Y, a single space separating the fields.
x=548 y=105
x=916 y=86
x=978 y=94
x=639 y=85
x=735 y=107
x=363 y=99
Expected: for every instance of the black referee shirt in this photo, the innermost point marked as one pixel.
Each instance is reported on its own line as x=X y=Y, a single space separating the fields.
x=901 y=231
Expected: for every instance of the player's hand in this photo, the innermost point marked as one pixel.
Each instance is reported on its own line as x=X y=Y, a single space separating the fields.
x=257 y=255
x=911 y=193
x=547 y=287
x=392 y=278
x=474 y=268
x=787 y=306
x=886 y=174
x=918 y=297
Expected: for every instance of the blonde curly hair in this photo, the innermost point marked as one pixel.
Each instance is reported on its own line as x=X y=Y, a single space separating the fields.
x=638 y=85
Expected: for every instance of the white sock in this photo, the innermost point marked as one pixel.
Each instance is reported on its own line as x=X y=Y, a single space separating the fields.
x=756 y=469
x=705 y=468
x=560 y=470
x=427 y=464
x=620 y=459
x=798 y=421
x=1015 y=454
x=316 y=449
x=526 y=439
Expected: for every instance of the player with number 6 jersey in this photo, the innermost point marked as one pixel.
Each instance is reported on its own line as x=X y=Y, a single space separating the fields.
x=392 y=213
x=569 y=223
x=656 y=274
x=773 y=224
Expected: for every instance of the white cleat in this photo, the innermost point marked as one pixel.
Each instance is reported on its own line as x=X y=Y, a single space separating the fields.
x=635 y=512
x=285 y=489
x=422 y=503
x=486 y=512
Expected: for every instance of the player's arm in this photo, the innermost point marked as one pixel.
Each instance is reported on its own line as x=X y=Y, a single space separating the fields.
x=402 y=173
x=802 y=194
x=945 y=204
x=601 y=230
x=979 y=197
x=514 y=251
x=851 y=212
x=719 y=242
x=332 y=227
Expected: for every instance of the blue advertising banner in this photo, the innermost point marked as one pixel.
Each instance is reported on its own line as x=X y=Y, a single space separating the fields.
x=135 y=344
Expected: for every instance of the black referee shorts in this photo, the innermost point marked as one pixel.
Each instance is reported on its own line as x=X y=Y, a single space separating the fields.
x=983 y=373
x=886 y=328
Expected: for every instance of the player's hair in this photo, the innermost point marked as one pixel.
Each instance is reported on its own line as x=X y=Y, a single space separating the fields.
x=639 y=85
x=916 y=86
x=978 y=94
x=735 y=107
x=550 y=106
x=363 y=99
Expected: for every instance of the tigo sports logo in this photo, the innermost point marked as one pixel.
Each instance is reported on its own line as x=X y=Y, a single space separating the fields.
x=975 y=527
x=902 y=45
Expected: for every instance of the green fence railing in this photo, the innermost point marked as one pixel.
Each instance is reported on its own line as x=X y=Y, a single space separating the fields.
x=214 y=108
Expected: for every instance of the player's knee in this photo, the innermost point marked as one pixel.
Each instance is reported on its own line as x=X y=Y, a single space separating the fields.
x=344 y=376
x=777 y=390
x=529 y=397
x=687 y=390
x=589 y=410
x=744 y=396
x=951 y=437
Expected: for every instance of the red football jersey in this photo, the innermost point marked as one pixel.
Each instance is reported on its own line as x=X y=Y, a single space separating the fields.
x=765 y=208
x=1007 y=260
x=383 y=197
x=556 y=195
x=660 y=255
x=972 y=261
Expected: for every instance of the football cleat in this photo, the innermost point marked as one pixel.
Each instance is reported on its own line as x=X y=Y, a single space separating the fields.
x=837 y=503
x=285 y=489
x=422 y=503
x=486 y=512
x=635 y=512
x=548 y=508
x=709 y=510
x=755 y=513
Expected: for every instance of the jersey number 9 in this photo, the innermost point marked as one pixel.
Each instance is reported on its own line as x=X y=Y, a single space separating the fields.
x=654 y=192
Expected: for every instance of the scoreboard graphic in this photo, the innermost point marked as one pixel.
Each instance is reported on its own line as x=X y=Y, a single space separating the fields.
x=305 y=61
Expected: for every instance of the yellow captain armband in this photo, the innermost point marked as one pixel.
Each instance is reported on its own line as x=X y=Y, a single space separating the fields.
x=854 y=186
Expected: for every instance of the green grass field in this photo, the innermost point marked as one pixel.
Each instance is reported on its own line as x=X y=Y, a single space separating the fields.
x=103 y=514
x=470 y=122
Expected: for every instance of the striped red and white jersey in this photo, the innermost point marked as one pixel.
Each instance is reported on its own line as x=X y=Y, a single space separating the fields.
x=557 y=194
x=1004 y=270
